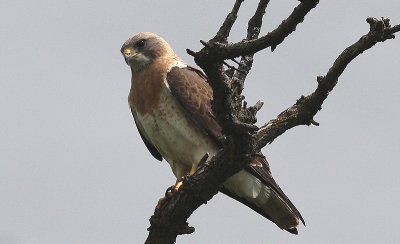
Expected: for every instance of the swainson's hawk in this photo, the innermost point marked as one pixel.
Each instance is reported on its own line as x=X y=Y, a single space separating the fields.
x=171 y=105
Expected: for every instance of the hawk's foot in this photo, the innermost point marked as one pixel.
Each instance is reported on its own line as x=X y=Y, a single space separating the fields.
x=168 y=194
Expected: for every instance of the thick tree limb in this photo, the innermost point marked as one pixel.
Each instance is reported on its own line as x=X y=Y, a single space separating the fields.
x=243 y=139
x=304 y=110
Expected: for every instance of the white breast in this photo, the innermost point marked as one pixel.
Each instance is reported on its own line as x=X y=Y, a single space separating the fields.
x=175 y=135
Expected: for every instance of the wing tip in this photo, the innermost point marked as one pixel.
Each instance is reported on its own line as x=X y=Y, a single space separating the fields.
x=292 y=231
x=302 y=220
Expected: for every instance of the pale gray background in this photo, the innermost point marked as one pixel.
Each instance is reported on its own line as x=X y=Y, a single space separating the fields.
x=73 y=168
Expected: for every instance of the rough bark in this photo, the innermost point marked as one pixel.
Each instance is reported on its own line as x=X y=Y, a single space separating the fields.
x=243 y=138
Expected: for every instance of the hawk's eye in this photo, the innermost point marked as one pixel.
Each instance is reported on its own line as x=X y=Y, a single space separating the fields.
x=140 y=43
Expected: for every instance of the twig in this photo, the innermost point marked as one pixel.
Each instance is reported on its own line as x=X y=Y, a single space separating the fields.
x=233 y=67
x=225 y=29
x=253 y=30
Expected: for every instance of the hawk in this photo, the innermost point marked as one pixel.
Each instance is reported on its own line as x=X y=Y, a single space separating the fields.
x=171 y=105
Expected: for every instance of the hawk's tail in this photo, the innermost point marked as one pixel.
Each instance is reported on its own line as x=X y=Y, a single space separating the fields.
x=255 y=187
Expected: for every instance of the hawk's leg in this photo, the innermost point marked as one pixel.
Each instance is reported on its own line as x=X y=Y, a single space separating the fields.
x=192 y=171
x=173 y=189
x=180 y=173
x=179 y=182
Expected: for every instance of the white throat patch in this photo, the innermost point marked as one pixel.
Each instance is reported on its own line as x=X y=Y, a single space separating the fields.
x=139 y=62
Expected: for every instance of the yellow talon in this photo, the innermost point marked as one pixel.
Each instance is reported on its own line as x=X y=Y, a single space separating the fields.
x=193 y=169
x=178 y=184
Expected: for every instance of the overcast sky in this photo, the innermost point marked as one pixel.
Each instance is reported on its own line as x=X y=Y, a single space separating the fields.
x=73 y=168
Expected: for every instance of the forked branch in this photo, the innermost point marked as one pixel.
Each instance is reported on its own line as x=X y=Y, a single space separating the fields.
x=304 y=110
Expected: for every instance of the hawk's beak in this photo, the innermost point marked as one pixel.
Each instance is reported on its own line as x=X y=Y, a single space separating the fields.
x=129 y=54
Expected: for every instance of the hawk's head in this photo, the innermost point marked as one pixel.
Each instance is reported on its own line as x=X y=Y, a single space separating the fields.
x=143 y=48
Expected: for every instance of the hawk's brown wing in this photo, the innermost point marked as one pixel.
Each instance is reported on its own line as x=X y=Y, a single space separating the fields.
x=190 y=87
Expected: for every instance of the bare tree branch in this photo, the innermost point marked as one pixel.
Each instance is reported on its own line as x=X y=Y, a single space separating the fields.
x=223 y=32
x=244 y=114
x=223 y=51
x=304 y=110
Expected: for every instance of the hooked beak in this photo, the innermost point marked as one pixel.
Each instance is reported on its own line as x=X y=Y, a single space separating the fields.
x=129 y=54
